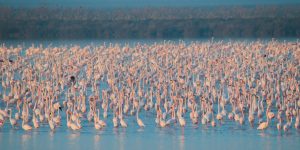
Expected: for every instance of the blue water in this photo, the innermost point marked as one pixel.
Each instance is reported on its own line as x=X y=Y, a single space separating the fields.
x=228 y=135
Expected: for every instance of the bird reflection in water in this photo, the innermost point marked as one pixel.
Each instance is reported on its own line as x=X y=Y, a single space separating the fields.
x=74 y=135
x=181 y=140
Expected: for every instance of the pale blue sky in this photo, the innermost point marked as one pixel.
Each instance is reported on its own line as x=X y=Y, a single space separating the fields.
x=137 y=3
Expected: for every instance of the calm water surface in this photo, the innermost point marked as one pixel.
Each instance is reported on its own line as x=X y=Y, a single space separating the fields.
x=230 y=135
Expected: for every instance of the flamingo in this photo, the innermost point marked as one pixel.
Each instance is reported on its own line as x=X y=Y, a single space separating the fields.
x=123 y=123
x=35 y=121
x=139 y=121
x=26 y=127
x=13 y=122
x=263 y=125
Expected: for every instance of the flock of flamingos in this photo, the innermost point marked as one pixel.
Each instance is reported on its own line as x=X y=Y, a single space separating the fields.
x=254 y=83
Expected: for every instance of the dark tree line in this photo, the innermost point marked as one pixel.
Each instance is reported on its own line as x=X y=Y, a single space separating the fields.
x=76 y=23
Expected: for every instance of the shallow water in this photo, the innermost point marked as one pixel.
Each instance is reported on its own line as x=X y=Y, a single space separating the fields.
x=227 y=135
